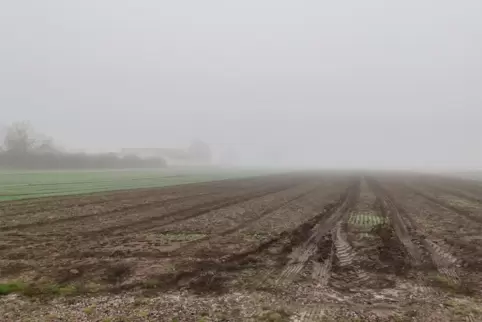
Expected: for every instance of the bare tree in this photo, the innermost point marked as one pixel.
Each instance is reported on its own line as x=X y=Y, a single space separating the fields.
x=19 y=138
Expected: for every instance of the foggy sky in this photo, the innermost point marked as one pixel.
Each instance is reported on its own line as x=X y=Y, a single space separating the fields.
x=318 y=83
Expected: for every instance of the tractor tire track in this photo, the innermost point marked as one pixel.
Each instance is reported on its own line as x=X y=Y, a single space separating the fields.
x=344 y=251
x=292 y=240
x=437 y=254
x=209 y=269
x=445 y=262
x=401 y=223
x=321 y=271
x=456 y=260
x=300 y=256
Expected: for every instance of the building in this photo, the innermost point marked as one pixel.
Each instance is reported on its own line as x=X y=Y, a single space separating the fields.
x=173 y=157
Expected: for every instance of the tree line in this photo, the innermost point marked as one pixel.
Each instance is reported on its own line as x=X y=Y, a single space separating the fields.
x=23 y=149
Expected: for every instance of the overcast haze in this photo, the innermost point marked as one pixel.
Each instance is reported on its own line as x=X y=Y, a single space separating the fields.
x=319 y=83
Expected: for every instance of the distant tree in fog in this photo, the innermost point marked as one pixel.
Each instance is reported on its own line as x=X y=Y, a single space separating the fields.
x=23 y=149
x=19 y=138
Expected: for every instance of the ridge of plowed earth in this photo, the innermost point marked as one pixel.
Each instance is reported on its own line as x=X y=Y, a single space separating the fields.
x=104 y=199
x=220 y=217
x=456 y=202
x=69 y=238
x=442 y=256
x=142 y=205
x=289 y=248
x=457 y=192
x=455 y=237
x=472 y=189
x=24 y=248
x=233 y=258
x=128 y=202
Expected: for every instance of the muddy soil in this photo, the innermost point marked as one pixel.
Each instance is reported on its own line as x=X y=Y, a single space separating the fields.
x=293 y=247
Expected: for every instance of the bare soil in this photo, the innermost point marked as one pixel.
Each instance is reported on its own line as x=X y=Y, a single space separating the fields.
x=293 y=247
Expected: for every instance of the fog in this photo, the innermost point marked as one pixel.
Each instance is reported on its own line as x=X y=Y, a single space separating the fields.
x=375 y=83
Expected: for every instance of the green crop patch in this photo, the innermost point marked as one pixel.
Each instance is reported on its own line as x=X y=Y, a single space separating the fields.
x=15 y=185
x=12 y=287
x=366 y=220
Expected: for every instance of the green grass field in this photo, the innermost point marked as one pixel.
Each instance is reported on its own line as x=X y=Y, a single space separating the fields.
x=33 y=184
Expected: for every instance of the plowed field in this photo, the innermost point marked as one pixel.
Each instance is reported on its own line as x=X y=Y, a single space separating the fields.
x=293 y=247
